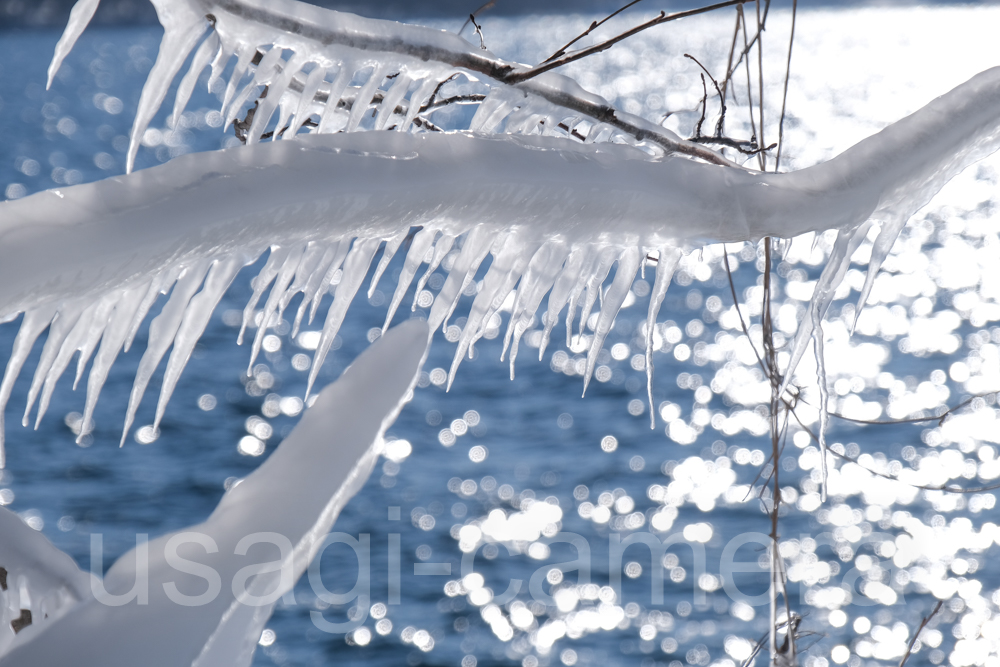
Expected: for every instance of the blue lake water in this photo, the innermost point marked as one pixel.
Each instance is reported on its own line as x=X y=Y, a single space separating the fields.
x=492 y=443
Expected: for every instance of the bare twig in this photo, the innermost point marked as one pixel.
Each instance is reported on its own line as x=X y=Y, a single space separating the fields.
x=479 y=32
x=593 y=26
x=518 y=76
x=923 y=624
x=784 y=95
x=483 y=8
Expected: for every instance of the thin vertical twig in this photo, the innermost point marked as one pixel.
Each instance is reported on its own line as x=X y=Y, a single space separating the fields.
x=784 y=96
x=920 y=628
x=762 y=157
x=753 y=123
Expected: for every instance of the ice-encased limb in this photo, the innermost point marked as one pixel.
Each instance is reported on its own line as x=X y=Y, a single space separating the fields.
x=183 y=27
x=263 y=280
x=628 y=266
x=51 y=580
x=826 y=286
x=666 y=264
x=111 y=344
x=281 y=282
x=365 y=96
x=196 y=316
x=567 y=280
x=542 y=271
x=290 y=501
x=442 y=247
x=79 y=18
x=162 y=331
x=83 y=338
x=355 y=268
x=506 y=268
x=391 y=246
x=62 y=324
x=477 y=245
x=208 y=48
x=33 y=324
x=400 y=86
x=422 y=242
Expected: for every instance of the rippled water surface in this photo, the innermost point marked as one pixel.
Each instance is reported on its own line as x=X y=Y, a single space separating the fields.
x=509 y=502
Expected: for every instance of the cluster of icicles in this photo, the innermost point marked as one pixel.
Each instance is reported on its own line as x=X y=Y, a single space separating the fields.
x=881 y=181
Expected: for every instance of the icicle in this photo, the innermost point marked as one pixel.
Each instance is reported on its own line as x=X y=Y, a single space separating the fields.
x=182 y=30
x=365 y=96
x=325 y=284
x=537 y=281
x=606 y=259
x=824 y=397
x=497 y=283
x=222 y=55
x=111 y=344
x=474 y=250
x=880 y=250
x=836 y=268
x=418 y=99
x=32 y=325
x=422 y=242
x=277 y=83
x=593 y=258
x=93 y=335
x=62 y=325
x=391 y=246
x=568 y=279
x=79 y=18
x=506 y=287
x=196 y=316
x=162 y=331
x=186 y=86
x=491 y=111
x=159 y=285
x=306 y=97
x=244 y=54
x=263 y=280
x=337 y=89
x=441 y=250
x=265 y=70
x=355 y=268
x=392 y=97
x=311 y=258
x=628 y=266
x=314 y=284
x=78 y=339
x=665 y=267
x=284 y=277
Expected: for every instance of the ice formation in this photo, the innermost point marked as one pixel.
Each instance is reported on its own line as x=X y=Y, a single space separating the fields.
x=547 y=178
x=289 y=503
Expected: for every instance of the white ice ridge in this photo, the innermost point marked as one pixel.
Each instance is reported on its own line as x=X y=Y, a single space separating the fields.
x=210 y=588
x=88 y=261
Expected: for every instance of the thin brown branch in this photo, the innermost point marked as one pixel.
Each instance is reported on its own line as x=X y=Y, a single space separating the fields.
x=923 y=624
x=784 y=95
x=593 y=26
x=518 y=76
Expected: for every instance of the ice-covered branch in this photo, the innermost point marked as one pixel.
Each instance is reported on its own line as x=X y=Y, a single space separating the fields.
x=557 y=214
x=153 y=605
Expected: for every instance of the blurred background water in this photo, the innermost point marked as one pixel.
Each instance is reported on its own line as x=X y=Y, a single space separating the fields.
x=498 y=467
